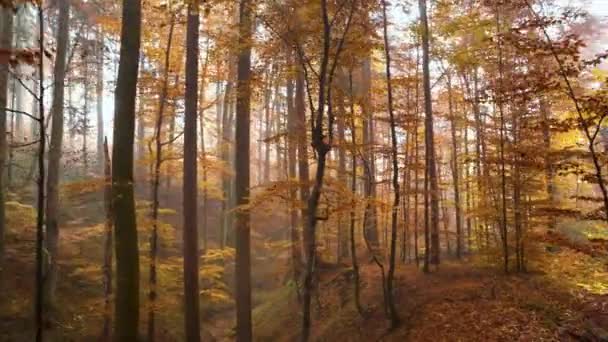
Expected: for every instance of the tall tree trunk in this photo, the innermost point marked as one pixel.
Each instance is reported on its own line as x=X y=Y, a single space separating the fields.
x=190 y=191
x=467 y=186
x=503 y=174
x=6 y=41
x=203 y=155
x=292 y=127
x=100 y=48
x=39 y=303
x=342 y=245
x=371 y=228
x=52 y=185
x=416 y=161
x=108 y=243
x=517 y=206
x=545 y=112
x=126 y=310
x=303 y=171
x=353 y=189
x=429 y=137
x=394 y=316
x=85 y=114
x=455 y=169
x=322 y=149
x=243 y=113
x=155 y=184
x=226 y=156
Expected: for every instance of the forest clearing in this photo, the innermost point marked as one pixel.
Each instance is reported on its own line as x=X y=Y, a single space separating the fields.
x=303 y=170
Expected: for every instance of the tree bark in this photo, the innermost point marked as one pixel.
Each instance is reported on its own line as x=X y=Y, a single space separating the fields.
x=126 y=310
x=190 y=190
x=155 y=183
x=394 y=316
x=108 y=243
x=243 y=113
x=55 y=148
x=6 y=41
x=455 y=170
x=39 y=303
x=429 y=138
x=292 y=127
x=99 y=97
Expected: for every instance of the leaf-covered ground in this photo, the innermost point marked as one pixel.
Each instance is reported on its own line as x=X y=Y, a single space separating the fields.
x=459 y=302
x=563 y=297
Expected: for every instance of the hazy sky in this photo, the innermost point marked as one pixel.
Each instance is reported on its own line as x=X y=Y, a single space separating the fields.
x=599 y=7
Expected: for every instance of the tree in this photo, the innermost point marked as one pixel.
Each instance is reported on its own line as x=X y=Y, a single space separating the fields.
x=108 y=244
x=156 y=176
x=394 y=316
x=6 y=42
x=126 y=310
x=242 y=227
x=55 y=148
x=190 y=192
x=431 y=166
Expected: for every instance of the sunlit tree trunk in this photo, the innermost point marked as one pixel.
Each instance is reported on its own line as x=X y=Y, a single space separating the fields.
x=6 y=42
x=100 y=49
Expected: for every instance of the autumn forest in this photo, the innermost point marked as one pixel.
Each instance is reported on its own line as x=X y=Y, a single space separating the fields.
x=303 y=170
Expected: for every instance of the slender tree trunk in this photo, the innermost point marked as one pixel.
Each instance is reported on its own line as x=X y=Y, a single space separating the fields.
x=394 y=316
x=416 y=162
x=429 y=137
x=517 y=206
x=371 y=229
x=99 y=97
x=303 y=171
x=156 y=168
x=353 y=188
x=126 y=310
x=545 y=112
x=267 y=131
x=39 y=303
x=342 y=250
x=203 y=234
x=292 y=127
x=467 y=186
x=503 y=174
x=455 y=169
x=85 y=114
x=52 y=185
x=6 y=41
x=107 y=250
x=227 y=137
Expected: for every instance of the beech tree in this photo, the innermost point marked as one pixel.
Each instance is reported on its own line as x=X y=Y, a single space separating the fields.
x=126 y=309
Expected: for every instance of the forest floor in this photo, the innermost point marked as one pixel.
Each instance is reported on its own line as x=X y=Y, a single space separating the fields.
x=461 y=301
x=563 y=297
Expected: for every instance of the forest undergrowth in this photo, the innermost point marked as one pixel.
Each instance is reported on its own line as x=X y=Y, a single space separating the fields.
x=562 y=297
